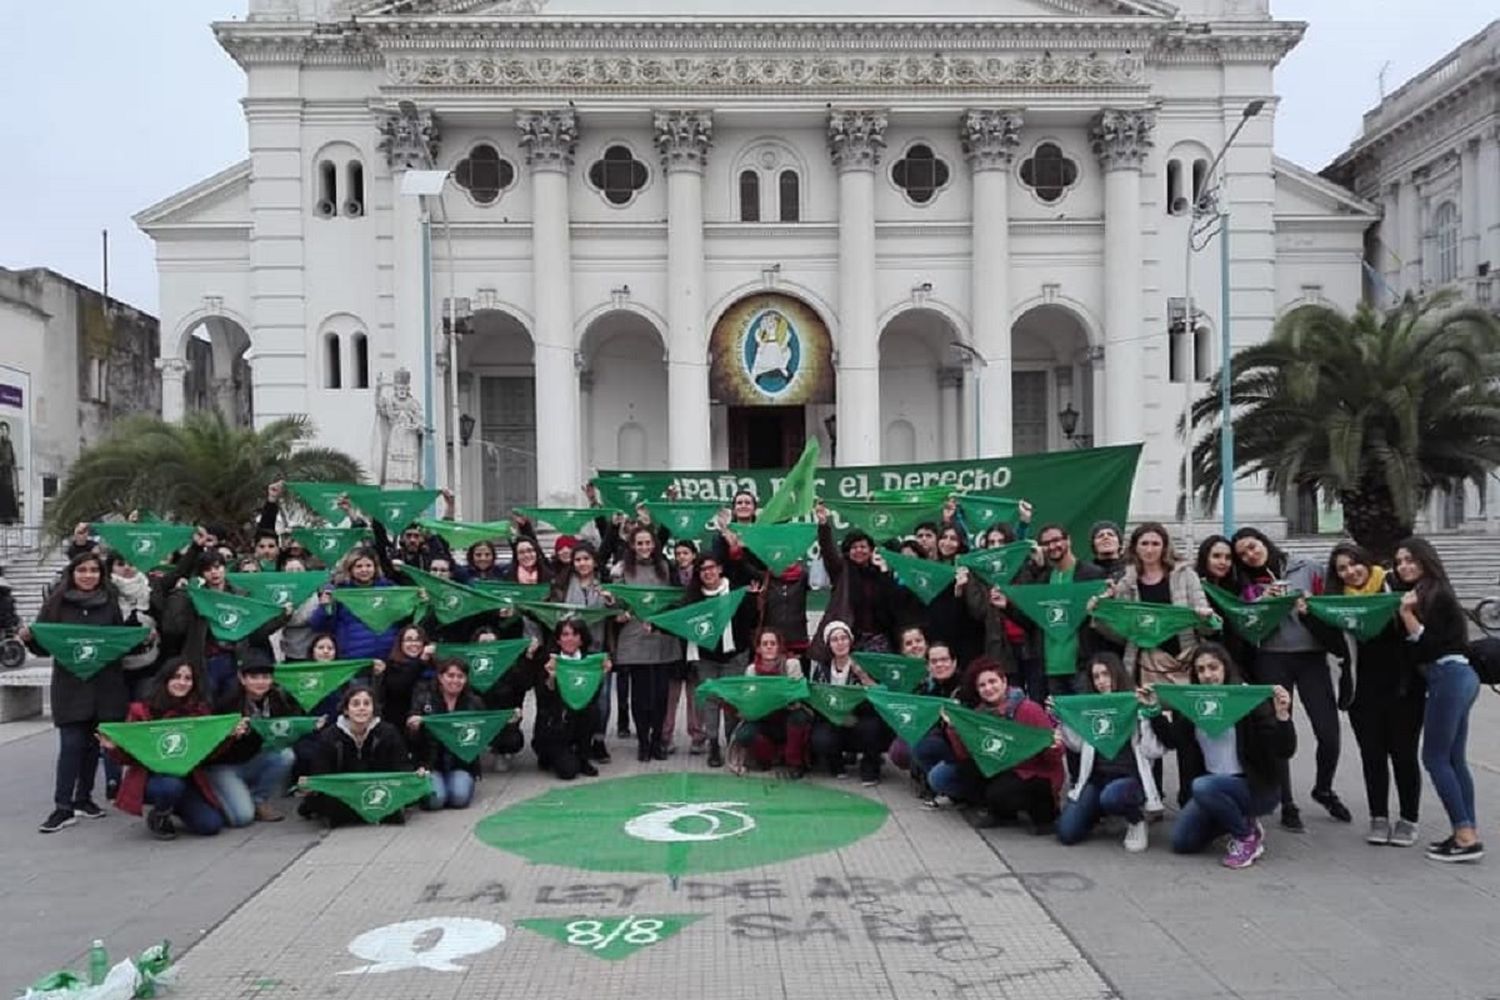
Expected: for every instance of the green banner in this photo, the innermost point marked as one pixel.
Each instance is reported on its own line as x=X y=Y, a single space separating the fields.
x=487 y=661
x=612 y=937
x=1075 y=487
x=84 y=650
x=462 y=534
x=779 y=546
x=231 y=617
x=451 y=602
x=643 y=600
x=755 y=697
x=1059 y=610
x=393 y=508
x=329 y=545
x=690 y=521
x=883 y=521
x=1213 y=708
x=373 y=795
x=836 y=702
x=1254 y=621
x=892 y=671
x=1145 y=623
x=323 y=498
x=144 y=546
x=929 y=496
x=1364 y=615
x=282 y=731
x=997 y=566
x=552 y=613
x=796 y=495
x=996 y=744
x=310 y=681
x=511 y=595
x=379 y=607
x=171 y=746
x=912 y=716
x=578 y=680
x=1103 y=721
x=279 y=588
x=567 y=520
x=466 y=734
x=926 y=578
x=983 y=512
x=703 y=622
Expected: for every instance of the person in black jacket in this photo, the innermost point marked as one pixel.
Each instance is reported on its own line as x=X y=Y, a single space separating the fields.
x=189 y=632
x=1235 y=777
x=864 y=594
x=410 y=661
x=360 y=742
x=244 y=774
x=452 y=778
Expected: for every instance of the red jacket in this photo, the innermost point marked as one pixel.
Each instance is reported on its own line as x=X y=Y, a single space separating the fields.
x=131 y=797
x=1047 y=764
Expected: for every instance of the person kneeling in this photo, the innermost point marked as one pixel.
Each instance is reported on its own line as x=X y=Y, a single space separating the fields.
x=359 y=742
x=782 y=735
x=864 y=733
x=246 y=776
x=451 y=778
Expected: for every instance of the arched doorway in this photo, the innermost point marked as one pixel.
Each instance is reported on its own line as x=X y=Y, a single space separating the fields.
x=217 y=373
x=623 y=389
x=920 y=410
x=1052 y=381
x=497 y=392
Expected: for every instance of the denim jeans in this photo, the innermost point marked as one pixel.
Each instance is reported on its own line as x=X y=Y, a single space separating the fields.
x=181 y=796
x=1117 y=797
x=713 y=710
x=77 y=762
x=1221 y=803
x=219 y=672
x=450 y=789
x=241 y=787
x=1452 y=686
x=959 y=780
x=930 y=751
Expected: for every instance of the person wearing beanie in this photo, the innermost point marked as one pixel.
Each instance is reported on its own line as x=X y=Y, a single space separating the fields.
x=245 y=776
x=863 y=732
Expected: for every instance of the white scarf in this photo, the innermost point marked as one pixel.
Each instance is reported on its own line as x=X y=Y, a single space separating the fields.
x=726 y=641
x=134 y=591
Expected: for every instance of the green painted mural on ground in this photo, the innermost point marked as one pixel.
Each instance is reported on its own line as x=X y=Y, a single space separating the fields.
x=611 y=938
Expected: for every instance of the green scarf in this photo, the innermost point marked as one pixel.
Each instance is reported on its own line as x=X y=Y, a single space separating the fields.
x=1145 y=623
x=310 y=681
x=892 y=671
x=231 y=617
x=84 y=650
x=1255 y=621
x=643 y=600
x=462 y=534
x=393 y=508
x=923 y=577
x=1213 y=708
x=1363 y=615
x=282 y=731
x=999 y=565
x=882 y=521
x=172 y=746
x=755 y=697
x=702 y=622
x=912 y=716
x=373 y=795
x=329 y=545
x=578 y=680
x=836 y=702
x=779 y=546
x=1103 y=721
x=279 y=588
x=568 y=520
x=996 y=744
x=487 y=661
x=451 y=602
x=466 y=734
x=144 y=546
x=379 y=607
x=1059 y=610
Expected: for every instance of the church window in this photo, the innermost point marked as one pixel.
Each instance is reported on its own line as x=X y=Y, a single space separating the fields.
x=1177 y=203
x=361 y=345
x=1048 y=172
x=791 y=196
x=1200 y=179
x=484 y=173
x=920 y=173
x=328 y=189
x=333 y=362
x=1445 y=234
x=354 y=202
x=749 y=196
x=618 y=175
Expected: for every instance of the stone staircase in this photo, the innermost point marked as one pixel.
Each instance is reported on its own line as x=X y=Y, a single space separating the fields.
x=1472 y=561
x=30 y=572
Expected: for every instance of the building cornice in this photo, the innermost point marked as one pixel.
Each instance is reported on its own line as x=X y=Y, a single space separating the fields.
x=1467 y=102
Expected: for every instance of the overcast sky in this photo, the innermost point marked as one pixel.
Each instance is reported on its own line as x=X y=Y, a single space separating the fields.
x=116 y=105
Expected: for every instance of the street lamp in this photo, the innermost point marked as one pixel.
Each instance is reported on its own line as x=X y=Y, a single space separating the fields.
x=1210 y=208
x=978 y=364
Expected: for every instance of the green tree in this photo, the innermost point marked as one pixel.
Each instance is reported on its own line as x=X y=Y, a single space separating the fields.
x=1375 y=409
x=201 y=470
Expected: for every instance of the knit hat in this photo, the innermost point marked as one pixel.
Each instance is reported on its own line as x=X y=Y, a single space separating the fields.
x=564 y=543
x=836 y=626
x=1104 y=526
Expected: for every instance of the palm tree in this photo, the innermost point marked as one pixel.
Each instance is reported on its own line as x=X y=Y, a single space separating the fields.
x=1376 y=409
x=199 y=471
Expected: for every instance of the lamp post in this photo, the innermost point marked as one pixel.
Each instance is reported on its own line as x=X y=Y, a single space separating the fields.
x=1208 y=209
x=978 y=364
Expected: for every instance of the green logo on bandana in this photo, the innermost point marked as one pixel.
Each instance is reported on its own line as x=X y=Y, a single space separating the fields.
x=172 y=744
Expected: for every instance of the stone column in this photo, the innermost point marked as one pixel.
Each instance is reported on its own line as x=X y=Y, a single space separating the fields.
x=990 y=138
x=855 y=142
x=1389 y=262
x=1121 y=140
x=1470 y=233
x=950 y=413
x=549 y=138
x=173 y=373
x=1410 y=230
x=684 y=138
x=1489 y=202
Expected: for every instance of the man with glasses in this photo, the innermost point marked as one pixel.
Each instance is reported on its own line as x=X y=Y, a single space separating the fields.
x=1058 y=565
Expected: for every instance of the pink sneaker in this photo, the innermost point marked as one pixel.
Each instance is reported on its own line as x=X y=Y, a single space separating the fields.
x=1242 y=853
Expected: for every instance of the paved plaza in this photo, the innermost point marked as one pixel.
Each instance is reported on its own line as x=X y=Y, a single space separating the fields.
x=667 y=880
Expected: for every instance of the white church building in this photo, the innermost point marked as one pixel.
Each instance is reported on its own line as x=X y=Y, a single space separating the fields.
x=690 y=234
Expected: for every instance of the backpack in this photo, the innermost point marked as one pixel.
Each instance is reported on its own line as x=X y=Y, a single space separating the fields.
x=1484 y=657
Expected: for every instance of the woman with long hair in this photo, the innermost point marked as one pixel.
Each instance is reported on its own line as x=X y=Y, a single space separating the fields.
x=651 y=657
x=1154 y=574
x=452 y=779
x=783 y=735
x=683 y=685
x=864 y=733
x=725 y=656
x=562 y=735
x=358 y=742
x=579 y=583
x=410 y=661
x=356 y=640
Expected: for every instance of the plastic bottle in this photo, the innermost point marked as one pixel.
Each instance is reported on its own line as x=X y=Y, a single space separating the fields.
x=98 y=963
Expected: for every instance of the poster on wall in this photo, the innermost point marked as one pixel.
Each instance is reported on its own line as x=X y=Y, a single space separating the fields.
x=770 y=350
x=15 y=445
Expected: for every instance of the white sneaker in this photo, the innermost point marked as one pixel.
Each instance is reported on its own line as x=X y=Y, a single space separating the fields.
x=1136 y=837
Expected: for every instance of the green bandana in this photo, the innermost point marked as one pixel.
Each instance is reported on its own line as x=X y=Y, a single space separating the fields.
x=912 y=716
x=393 y=508
x=379 y=607
x=552 y=614
x=279 y=588
x=625 y=489
x=1255 y=621
x=1059 y=610
x=466 y=734
x=923 y=577
x=1103 y=721
x=702 y=622
x=567 y=520
x=171 y=746
x=882 y=521
x=893 y=671
x=461 y=534
x=282 y=731
x=578 y=680
x=329 y=545
x=1364 y=615
x=641 y=600
x=323 y=498
x=779 y=546
x=451 y=602
x=231 y=617
x=797 y=493
x=1213 y=708
x=996 y=744
x=755 y=697
x=686 y=520
x=997 y=566
x=1145 y=623
x=374 y=795
x=510 y=595
x=87 y=649
x=487 y=661
x=931 y=496
x=144 y=546
x=836 y=702
x=981 y=512
x=310 y=681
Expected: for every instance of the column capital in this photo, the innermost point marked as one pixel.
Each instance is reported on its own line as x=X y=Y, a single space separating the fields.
x=950 y=377
x=409 y=141
x=549 y=138
x=1121 y=139
x=990 y=137
x=171 y=367
x=684 y=138
x=856 y=138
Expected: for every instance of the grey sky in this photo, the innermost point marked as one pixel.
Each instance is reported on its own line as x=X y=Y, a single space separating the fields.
x=119 y=104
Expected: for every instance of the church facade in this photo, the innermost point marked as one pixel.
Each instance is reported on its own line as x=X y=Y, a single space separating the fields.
x=677 y=239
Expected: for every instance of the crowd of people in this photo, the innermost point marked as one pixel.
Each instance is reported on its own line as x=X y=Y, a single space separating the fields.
x=1406 y=686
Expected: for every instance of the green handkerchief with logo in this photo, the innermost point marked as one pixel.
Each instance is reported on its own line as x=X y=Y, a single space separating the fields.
x=999 y=565
x=643 y=600
x=487 y=661
x=282 y=731
x=567 y=520
x=779 y=546
x=310 y=681
x=685 y=519
x=1214 y=708
x=836 y=702
x=703 y=622
x=996 y=744
x=1059 y=610
x=84 y=650
x=373 y=795
x=912 y=716
x=552 y=614
x=462 y=534
x=144 y=546
x=466 y=734
x=393 y=508
x=279 y=588
x=892 y=670
x=1364 y=615
x=1103 y=721
x=231 y=617
x=1255 y=621
x=329 y=545
x=882 y=521
x=981 y=512
x=1145 y=623
x=451 y=602
x=578 y=680
x=923 y=577
x=379 y=607
x=755 y=697
x=171 y=746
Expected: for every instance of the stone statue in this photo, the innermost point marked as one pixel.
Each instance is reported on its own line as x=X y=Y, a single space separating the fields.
x=401 y=425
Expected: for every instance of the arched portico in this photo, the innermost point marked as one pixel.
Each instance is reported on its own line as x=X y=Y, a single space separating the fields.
x=920 y=383
x=623 y=391
x=497 y=391
x=1052 y=380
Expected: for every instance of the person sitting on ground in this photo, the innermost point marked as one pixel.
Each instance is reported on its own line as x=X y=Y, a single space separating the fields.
x=782 y=736
x=452 y=778
x=864 y=732
x=359 y=742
